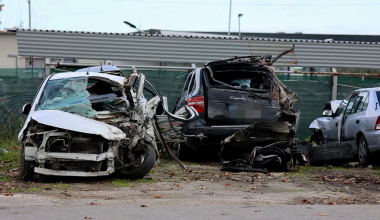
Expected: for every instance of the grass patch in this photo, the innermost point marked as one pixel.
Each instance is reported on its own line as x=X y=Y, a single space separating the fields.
x=189 y=163
x=11 y=159
x=311 y=169
x=5 y=178
x=166 y=163
x=24 y=189
x=121 y=183
x=299 y=175
x=33 y=189
x=63 y=186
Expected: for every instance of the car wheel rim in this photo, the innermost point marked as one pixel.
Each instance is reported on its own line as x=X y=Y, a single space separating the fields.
x=362 y=152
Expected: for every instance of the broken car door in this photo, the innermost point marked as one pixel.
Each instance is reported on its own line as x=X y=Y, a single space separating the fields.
x=354 y=112
x=333 y=128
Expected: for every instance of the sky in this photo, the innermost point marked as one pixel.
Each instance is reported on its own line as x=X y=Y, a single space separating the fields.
x=306 y=16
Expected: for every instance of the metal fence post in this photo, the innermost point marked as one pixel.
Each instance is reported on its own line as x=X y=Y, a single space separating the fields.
x=47 y=66
x=334 y=85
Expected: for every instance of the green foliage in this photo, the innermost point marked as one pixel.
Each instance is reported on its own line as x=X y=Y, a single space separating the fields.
x=307 y=139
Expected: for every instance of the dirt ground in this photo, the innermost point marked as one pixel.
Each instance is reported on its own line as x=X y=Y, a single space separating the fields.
x=203 y=183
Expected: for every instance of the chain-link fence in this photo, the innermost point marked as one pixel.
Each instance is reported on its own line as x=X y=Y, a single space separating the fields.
x=18 y=86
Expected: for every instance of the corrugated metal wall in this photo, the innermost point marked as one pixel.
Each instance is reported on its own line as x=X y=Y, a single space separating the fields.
x=188 y=49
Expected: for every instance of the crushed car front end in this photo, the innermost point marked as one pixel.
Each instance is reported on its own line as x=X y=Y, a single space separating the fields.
x=90 y=124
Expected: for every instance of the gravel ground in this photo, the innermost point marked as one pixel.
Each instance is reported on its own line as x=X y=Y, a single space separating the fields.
x=204 y=183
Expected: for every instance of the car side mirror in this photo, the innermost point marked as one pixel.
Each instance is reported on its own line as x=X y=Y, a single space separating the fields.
x=26 y=109
x=328 y=113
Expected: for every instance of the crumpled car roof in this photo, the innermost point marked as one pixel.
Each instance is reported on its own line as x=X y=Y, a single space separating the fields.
x=118 y=79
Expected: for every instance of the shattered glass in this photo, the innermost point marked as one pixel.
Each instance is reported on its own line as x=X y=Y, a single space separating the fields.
x=67 y=95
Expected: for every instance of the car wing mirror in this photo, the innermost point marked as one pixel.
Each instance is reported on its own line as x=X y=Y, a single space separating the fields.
x=327 y=113
x=26 y=109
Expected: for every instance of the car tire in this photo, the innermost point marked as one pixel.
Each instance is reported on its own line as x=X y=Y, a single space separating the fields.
x=317 y=137
x=26 y=170
x=335 y=153
x=364 y=155
x=148 y=161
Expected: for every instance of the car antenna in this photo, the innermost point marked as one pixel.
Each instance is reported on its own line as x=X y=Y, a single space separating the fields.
x=101 y=67
x=88 y=68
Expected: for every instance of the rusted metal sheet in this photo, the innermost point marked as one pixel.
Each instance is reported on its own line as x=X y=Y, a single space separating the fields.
x=331 y=73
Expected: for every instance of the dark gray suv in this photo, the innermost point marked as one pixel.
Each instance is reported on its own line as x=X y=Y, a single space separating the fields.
x=230 y=95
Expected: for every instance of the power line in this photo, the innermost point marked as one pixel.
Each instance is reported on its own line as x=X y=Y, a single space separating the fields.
x=259 y=4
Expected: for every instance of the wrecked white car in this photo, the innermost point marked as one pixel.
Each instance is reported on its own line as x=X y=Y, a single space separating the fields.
x=91 y=124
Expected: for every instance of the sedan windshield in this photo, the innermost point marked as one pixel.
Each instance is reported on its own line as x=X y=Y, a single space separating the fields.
x=68 y=95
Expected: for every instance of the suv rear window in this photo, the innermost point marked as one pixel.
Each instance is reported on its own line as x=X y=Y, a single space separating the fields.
x=241 y=79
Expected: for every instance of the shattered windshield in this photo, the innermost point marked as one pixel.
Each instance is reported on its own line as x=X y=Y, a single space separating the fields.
x=67 y=95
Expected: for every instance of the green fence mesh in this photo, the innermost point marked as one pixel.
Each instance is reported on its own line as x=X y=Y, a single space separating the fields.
x=18 y=86
x=313 y=91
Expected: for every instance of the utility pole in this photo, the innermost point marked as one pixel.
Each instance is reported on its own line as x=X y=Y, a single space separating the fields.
x=30 y=28
x=1 y=7
x=239 y=16
x=30 y=17
x=229 y=21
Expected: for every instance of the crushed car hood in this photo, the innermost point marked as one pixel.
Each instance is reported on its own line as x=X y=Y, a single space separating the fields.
x=77 y=123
